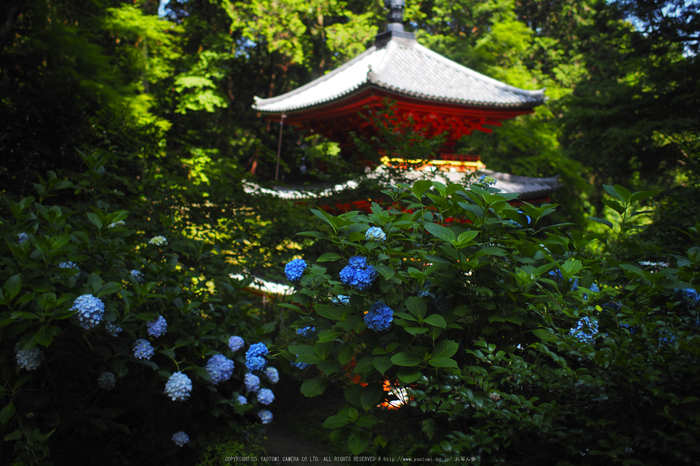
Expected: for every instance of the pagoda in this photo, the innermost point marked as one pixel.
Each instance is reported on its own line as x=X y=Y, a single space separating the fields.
x=432 y=93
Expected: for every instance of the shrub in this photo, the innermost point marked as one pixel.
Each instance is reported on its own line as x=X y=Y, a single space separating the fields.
x=512 y=343
x=106 y=333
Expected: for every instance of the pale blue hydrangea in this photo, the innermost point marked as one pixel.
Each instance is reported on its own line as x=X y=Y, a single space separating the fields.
x=118 y=223
x=138 y=275
x=22 y=237
x=252 y=382
x=113 y=329
x=265 y=396
x=306 y=331
x=265 y=416
x=178 y=387
x=300 y=365
x=341 y=299
x=294 y=270
x=585 y=330
x=143 y=349
x=255 y=357
x=69 y=265
x=158 y=241
x=242 y=400
x=375 y=234
x=181 y=438
x=358 y=273
x=30 y=359
x=235 y=343
x=106 y=381
x=157 y=327
x=220 y=368
x=88 y=311
x=272 y=375
x=379 y=317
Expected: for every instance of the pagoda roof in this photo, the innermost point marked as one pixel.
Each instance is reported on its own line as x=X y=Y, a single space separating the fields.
x=403 y=67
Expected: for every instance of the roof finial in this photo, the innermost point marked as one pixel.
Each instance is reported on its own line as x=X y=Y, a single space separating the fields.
x=395 y=16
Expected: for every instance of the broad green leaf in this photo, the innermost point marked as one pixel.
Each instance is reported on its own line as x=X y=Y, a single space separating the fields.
x=382 y=363
x=371 y=395
x=443 y=362
x=441 y=232
x=336 y=421
x=405 y=359
x=323 y=350
x=108 y=288
x=13 y=285
x=366 y=421
x=329 y=257
x=421 y=186
x=314 y=387
x=543 y=334
x=306 y=354
x=358 y=442
x=466 y=236
x=603 y=221
x=7 y=412
x=387 y=272
x=328 y=335
x=95 y=283
x=436 y=320
x=409 y=375
x=95 y=220
x=329 y=312
x=445 y=349
x=417 y=306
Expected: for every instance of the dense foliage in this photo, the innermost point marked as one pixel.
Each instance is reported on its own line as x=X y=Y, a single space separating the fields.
x=506 y=341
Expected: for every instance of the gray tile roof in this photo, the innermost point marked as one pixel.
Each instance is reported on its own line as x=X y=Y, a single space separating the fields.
x=404 y=67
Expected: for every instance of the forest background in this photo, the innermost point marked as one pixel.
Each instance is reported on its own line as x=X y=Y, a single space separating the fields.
x=168 y=98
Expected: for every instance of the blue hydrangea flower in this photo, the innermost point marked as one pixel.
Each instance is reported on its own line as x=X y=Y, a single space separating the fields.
x=70 y=266
x=375 y=234
x=341 y=299
x=585 y=330
x=379 y=317
x=143 y=349
x=265 y=396
x=157 y=327
x=272 y=375
x=487 y=180
x=306 y=331
x=255 y=357
x=181 y=438
x=294 y=270
x=138 y=275
x=242 y=400
x=30 y=359
x=106 y=381
x=265 y=416
x=300 y=365
x=220 y=368
x=358 y=273
x=178 y=387
x=252 y=382
x=22 y=237
x=89 y=311
x=158 y=241
x=235 y=343
x=113 y=329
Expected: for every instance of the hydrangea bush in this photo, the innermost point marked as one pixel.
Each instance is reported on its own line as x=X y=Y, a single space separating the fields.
x=514 y=340
x=109 y=312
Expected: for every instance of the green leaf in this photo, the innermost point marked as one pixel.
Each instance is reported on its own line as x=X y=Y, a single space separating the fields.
x=421 y=186
x=16 y=435
x=387 y=272
x=466 y=236
x=382 y=363
x=441 y=232
x=95 y=220
x=443 y=362
x=366 y=421
x=323 y=350
x=408 y=375
x=95 y=283
x=371 y=396
x=108 y=288
x=603 y=221
x=329 y=312
x=417 y=306
x=329 y=257
x=405 y=359
x=436 y=320
x=306 y=354
x=358 y=442
x=314 y=387
x=13 y=285
x=570 y=267
x=445 y=349
x=328 y=335
x=328 y=218
x=336 y=421
x=7 y=412
x=364 y=365
x=543 y=334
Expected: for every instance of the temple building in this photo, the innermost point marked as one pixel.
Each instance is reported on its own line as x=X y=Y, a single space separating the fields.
x=436 y=95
